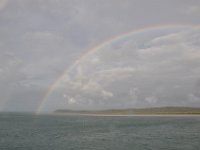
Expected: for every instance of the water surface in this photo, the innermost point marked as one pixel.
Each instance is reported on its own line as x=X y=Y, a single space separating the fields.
x=47 y=132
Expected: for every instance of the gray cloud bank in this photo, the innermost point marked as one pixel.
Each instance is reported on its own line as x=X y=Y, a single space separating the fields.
x=161 y=70
x=39 y=39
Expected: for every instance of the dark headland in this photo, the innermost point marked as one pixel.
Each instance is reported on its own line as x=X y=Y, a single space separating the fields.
x=136 y=111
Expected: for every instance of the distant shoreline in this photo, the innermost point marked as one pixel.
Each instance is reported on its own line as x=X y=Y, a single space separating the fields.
x=155 y=111
x=126 y=115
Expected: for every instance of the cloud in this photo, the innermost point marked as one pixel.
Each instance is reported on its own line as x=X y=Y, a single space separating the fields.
x=193 y=10
x=3 y=4
x=42 y=36
x=114 y=74
x=91 y=86
x=48 y=36
x=71 y=100
x=159 y=73
x=193 y=98
x=151 y=99
x=134 y=93
x=9 y=76
x=107 y=94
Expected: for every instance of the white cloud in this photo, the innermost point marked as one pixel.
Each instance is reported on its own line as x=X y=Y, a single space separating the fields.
x=71 y=100
x=114 y=74
x=91 y=86
x=106 y=94
x=94 y=60
x=151 y=99
x=156 y=69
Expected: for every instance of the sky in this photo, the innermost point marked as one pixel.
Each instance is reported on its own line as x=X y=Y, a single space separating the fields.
x=39 y=40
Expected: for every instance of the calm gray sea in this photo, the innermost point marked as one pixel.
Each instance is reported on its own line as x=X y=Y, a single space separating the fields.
x=46 y=132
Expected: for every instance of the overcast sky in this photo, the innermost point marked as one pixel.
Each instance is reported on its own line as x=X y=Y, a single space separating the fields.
x=39 y=39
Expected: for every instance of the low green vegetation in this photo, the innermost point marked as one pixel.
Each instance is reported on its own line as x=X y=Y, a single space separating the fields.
x=138 y=111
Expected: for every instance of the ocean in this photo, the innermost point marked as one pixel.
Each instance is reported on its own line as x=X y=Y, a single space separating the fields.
x=20 y=131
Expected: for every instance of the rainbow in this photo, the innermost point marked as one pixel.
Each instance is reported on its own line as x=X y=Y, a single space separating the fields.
x=96 y=48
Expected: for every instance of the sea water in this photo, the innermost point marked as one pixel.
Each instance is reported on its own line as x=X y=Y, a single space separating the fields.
x=50 y=132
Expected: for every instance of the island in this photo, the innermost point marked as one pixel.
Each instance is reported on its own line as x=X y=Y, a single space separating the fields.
x=134 y=111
